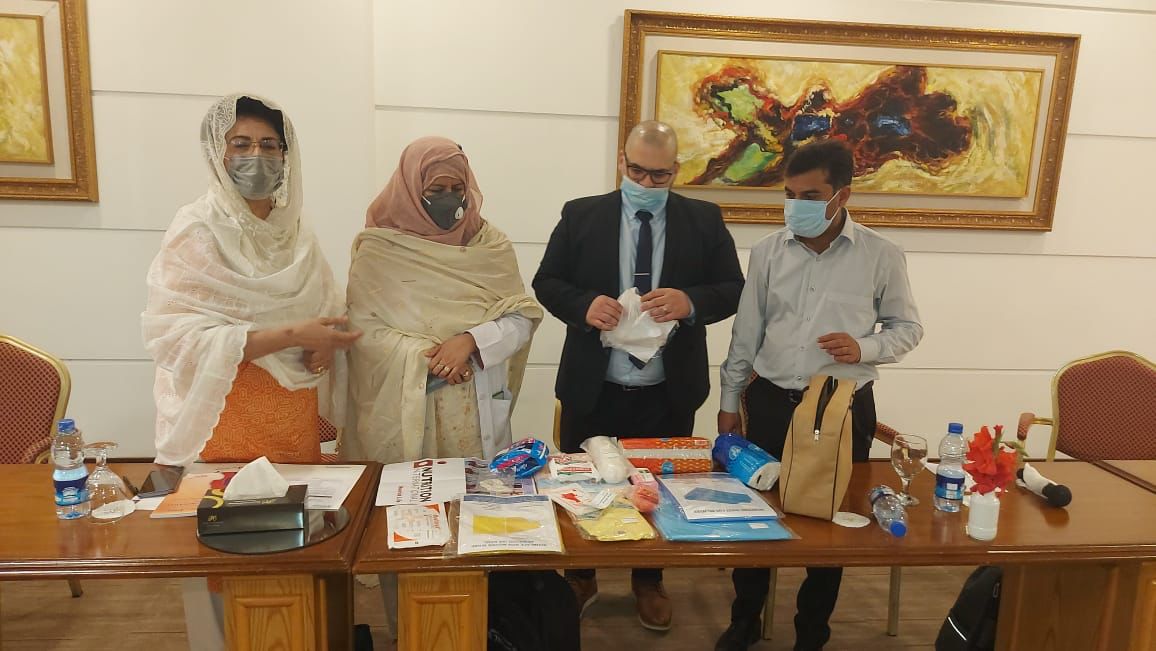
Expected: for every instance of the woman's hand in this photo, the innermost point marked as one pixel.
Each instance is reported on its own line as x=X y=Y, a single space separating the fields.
x=315 y=335
x=318 y=361
x=451 y=360
x=322 y=335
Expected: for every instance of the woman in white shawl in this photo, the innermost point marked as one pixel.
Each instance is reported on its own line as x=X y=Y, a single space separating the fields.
x=447 y=320
x=243 y=314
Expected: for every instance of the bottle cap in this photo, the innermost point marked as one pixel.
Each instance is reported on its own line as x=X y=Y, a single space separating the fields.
x=955 y=428
x=898 y=529
x=65 y=426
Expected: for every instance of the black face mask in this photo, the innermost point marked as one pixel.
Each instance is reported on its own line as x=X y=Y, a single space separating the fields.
x=445 y=208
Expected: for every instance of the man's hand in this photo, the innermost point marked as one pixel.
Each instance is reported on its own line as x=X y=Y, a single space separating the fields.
x=729 y=423
x=666 y=304
x=841 y=346
x=604 y=313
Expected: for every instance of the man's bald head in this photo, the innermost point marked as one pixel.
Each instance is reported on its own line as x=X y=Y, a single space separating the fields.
x=651 y=145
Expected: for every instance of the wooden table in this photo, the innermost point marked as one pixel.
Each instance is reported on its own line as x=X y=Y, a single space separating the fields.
x=1078 y=578
x=292 y=600
x=1141 y=472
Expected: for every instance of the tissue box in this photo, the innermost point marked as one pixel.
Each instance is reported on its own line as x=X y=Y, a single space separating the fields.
x=216 y=516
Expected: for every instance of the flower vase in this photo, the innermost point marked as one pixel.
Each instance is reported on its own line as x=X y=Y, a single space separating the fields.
x=983 y=516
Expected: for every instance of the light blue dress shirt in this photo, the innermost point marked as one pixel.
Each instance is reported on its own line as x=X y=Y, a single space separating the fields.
x=793 y=296
x=621 y=370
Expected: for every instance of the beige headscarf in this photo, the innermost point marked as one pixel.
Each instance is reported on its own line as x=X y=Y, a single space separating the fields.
x=399 y=206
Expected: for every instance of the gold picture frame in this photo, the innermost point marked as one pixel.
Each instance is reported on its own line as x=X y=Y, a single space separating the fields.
x=68 y=171
x=647 y=36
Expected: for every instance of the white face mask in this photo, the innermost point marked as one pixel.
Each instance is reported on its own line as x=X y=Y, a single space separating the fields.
x=256 y=177
x=807 y=217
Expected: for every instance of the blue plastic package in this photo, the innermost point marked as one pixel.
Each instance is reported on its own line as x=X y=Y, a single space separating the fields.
x=748 y=462
x=524 y=458
x=674 y=527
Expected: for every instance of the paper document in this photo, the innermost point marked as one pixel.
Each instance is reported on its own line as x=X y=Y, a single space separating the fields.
x=417 y=525
x=427 y=481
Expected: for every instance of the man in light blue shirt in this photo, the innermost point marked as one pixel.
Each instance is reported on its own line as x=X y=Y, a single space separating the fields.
x=824 y=296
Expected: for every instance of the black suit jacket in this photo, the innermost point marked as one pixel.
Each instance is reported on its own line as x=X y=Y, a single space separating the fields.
x=581 y=263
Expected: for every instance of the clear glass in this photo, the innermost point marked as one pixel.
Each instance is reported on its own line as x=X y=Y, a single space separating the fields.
x=110 y=500
x=908 y=456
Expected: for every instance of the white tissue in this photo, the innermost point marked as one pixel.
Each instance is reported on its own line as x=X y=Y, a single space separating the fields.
x=256 y=481
x=637 y=333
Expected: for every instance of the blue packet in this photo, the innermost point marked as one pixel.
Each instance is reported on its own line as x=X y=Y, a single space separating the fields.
x=720 y=497
x=523 y=458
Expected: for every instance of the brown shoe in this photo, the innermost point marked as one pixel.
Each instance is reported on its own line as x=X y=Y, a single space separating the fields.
x=585 y=591
x=653 y=605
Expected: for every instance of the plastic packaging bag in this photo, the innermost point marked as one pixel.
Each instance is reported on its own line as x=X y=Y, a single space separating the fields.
x=608 y=458
x=524 y=457
x=748 y=462
x=617 y=522
x=666 y=456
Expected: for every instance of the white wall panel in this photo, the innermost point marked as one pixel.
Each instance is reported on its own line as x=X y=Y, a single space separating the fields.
x=112 y=401
x=564 y=58
x=76 y=293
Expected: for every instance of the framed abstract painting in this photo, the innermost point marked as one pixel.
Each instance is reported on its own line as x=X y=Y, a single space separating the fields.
x=46 y=139
x=949 y=127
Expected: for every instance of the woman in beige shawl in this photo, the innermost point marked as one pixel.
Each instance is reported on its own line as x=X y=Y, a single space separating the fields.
x=447 y=320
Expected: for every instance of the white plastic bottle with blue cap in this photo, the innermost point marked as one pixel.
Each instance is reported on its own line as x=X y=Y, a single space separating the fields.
x=888 y=510
x=71 y=475
x=949 y=477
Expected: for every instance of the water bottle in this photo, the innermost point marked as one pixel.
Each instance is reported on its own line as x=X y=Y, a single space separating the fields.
x=70 y=475
x=949 y=476
x=889 y=511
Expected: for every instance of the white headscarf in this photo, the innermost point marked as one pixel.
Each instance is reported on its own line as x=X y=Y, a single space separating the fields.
x=220 y=273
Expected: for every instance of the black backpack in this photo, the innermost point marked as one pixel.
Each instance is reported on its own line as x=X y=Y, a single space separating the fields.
x=970 y=624
x=532 y=611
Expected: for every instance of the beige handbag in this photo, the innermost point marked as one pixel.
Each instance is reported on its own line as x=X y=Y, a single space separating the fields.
x=816 y=464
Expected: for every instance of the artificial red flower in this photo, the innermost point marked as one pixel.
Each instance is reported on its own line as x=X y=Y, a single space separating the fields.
x=988 y=462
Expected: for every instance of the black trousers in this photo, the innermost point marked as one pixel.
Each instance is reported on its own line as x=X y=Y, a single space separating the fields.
x=769 y=411
x=625 y=412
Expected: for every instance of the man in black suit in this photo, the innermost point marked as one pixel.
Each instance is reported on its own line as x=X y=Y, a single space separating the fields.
x=679 y=254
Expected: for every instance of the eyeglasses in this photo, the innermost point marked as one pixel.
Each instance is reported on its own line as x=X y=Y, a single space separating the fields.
x=241 y=145
x=637 y=173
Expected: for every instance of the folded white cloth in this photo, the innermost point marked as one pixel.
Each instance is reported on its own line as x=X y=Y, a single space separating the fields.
x=637 y=333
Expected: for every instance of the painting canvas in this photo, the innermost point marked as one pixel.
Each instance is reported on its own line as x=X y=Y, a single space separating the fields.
x=915 y=129
x=949 y=127
x=25 y=132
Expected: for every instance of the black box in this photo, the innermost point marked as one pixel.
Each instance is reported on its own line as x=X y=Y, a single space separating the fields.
x=215 y=515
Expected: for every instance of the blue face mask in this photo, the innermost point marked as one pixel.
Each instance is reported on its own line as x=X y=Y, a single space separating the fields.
x=806 y=217
x=638 y=197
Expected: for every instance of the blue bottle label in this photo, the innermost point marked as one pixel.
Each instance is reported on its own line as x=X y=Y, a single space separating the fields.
x=949 y=488
x=71 y=492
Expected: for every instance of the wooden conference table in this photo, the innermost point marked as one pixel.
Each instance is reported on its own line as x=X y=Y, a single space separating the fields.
x=1077 y=579
x=294 y=600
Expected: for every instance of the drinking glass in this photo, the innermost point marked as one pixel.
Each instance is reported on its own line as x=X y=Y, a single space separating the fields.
x=908 y=456
x=107 y=495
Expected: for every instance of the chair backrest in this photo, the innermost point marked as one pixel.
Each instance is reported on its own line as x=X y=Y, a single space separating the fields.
x=1105 y=408
x=34 y=390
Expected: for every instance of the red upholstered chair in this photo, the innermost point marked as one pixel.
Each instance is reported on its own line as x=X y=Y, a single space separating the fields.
x=34 y=391
x=328 y=434
x=886 y=435
x=1103 y=407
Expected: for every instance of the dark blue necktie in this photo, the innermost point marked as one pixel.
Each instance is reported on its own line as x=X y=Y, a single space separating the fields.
x=642 y=259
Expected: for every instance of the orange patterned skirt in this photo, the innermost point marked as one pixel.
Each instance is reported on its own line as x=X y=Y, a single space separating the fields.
x=263 y=418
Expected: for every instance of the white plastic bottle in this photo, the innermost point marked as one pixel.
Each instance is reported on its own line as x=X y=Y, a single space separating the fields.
x=71 y=475
x=949 y=477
